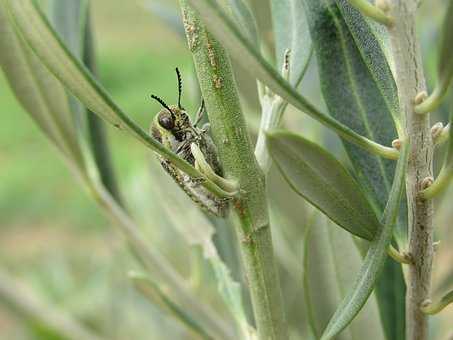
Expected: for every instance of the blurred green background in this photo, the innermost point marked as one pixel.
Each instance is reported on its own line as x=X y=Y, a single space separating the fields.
x=51 y=233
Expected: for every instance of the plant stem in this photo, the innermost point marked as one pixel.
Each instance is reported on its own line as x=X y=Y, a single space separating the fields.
x=236 y=154
x=411 y=81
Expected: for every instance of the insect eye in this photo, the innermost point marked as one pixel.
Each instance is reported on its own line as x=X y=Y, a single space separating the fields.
x=166 y=121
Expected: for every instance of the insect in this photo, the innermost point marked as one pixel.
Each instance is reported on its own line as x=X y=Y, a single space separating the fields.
x=173 y=128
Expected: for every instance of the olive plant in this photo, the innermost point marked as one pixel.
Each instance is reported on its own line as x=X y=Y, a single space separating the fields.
x=367 y=230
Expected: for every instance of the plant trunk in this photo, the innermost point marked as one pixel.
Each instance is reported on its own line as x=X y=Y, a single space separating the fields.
x=411 y=82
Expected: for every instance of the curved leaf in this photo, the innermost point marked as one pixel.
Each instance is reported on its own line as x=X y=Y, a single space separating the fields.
x=39 y=93
x=321 y=179
x=224 y=29
x=37 y=32
x=355 y=74
x=374 y=260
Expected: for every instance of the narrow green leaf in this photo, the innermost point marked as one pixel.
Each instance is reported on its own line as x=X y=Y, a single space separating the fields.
x=331 y=262
x=291 y=32
x=353 y=48
x=245 y=20
x=37 y=32
x=151 y=290
x=374 y=260
x=96 y=128
x=352 y=84
x=321 y=179
x=224 y=29
x=38 y=91
x=68 y=18
x=444 y=67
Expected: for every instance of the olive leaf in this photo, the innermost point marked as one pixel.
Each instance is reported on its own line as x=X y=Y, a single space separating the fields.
x=245 y=20
x=374 y=260
x=39 y=93
x=291 y=33
x=323 y=181
x=219 y=23
x=360 y=91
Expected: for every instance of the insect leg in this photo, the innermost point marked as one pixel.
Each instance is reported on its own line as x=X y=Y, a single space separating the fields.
x=200 y=113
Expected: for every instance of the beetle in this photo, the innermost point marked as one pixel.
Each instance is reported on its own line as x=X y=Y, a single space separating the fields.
x=173 y=128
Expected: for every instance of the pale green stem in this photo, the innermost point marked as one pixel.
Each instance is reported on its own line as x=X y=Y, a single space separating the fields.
x=372 y=12
x=397 y=256
x=435 y=307
x=443 y=136
x=439 y=185
x=434 y=100
x=236 y=154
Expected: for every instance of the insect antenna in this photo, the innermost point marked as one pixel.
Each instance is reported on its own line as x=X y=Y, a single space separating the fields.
x=163 y=104
x=179 y=87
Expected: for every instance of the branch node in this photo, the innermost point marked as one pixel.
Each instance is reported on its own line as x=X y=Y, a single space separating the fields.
x=420 y=97
x=436 y=246
x=425 y=303
x=427 y=182
x=383 y=5
x=397 y=144
x=436 y=130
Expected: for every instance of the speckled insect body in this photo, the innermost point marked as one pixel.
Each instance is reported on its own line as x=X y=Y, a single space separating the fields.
x=173 y=128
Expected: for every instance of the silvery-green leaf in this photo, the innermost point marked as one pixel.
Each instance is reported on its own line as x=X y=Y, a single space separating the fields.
x=68 y=18
x=168 y=15
x=38 y=91
x=321 y=179
x=374 y=259
x=360 y=91
x=350 y=89
x=245 y=19
x=226 y=31
x=291 y=33
x=330 y=262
